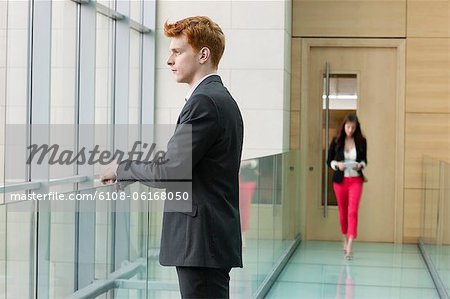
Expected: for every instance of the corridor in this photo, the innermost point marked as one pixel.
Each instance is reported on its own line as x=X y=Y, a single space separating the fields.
x=378 y=270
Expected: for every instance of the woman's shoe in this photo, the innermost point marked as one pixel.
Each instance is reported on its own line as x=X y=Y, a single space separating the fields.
x=349 y=256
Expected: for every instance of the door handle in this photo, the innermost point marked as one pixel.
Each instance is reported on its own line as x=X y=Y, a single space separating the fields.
x=311 y=168
x=327 y=124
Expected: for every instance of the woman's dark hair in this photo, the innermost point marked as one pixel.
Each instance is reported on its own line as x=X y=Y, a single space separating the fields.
x=360 y=140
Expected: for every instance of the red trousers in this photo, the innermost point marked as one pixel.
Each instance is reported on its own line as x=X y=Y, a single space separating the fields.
x=246 y=190
x=348 y=195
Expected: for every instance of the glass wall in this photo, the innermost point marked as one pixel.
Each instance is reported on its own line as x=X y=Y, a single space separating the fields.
x=16 y=262
x=63 y=116
x=14 y=80
x=133 y=241
x=103 y=248
x=435 y=236
x=342 y=99
x=264 y=207
x=58 y=70
x=70 y=72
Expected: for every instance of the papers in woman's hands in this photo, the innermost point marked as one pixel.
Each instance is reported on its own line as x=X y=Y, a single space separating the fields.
x=351 y=164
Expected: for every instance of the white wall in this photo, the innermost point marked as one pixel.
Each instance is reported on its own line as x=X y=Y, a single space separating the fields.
x=255 y=66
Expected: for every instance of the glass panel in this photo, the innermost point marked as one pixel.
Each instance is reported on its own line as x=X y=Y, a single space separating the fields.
x=17 y=61
x=16 y=229
x=436 y=211
x=62 y=258
x=136 y=10
x=3 y=53
x=431 y=179
x=249 y=198
x=137 y=232
x=264 y=215
x=141 y=274
x=342 y=100
x=134 y=84
x=20 y=248
x=104 y=230
x=107 y=3
x=443 y=261
x=280 y=213
x=65 y=228
x=62 y=115
x=445 y=211
x=103 y=246
x=3 y=251
x=162 y=282
x=14 y=51
x=137 y=247
x=103 y=84
x=134 y=89
x=63 y=82
x=262 y=218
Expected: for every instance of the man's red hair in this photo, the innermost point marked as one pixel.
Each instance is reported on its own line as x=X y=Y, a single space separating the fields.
x=200 y=32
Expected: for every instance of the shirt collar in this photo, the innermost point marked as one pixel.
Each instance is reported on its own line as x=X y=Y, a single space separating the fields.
x=191 y=91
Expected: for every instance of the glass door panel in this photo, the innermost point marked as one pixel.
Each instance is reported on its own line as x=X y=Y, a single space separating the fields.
x=342 y=99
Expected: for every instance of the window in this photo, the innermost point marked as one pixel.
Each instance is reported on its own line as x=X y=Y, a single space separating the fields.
x=343 y=99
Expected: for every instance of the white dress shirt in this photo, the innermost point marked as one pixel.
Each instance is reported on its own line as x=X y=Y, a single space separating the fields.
x=191 y=91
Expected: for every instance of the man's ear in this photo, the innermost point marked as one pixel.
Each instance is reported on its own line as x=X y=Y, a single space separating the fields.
x=205 y=54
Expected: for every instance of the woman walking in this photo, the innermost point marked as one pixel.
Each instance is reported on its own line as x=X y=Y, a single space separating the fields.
x=347 y=156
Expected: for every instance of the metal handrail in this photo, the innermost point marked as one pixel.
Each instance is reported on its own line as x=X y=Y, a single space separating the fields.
x=68 y=180
x=101 y=286
x=25 y=186
x=139 y=27
x=109 y=12
x=20 y=187
x=81 y=1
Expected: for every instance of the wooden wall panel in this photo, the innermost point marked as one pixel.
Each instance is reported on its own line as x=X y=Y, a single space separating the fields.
x=349 y=18
x=295 y=93
x=413 y=215
x=296 y=56
x=426 y=24
x=428 y=75
x=428 y=18
x=445 y=211
x=425 y=134
x=295 y=131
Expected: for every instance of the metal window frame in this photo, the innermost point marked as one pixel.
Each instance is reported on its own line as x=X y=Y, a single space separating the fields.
x=84 y=234
x=39 y=113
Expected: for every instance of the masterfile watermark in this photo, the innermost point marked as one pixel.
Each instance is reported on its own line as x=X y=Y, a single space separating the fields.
x=102 y=196
x=140 y=151
x=50 y=156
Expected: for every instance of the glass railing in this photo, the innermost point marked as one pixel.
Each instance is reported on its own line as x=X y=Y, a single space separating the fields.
x=435 y=236
x=17 y=250
x=91 y=244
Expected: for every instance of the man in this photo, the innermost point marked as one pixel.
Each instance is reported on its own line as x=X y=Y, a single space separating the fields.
x=204 y=243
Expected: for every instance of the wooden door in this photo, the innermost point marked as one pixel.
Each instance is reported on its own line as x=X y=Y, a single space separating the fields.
x=367 y=76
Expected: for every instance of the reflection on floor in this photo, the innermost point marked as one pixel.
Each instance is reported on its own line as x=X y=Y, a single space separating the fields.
x=440 y=257
x=259 y=257
x=378 y=270
x=315 y=270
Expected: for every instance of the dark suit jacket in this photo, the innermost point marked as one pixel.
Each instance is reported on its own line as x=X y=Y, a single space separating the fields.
x=210 y=234
x=338 y=155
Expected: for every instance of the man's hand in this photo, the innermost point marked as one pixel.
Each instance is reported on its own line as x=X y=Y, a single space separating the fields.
x=108 y=173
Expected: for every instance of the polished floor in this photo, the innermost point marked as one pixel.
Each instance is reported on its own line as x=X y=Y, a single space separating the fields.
x=378 y=270
x=440 y=258
x=315 y=270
